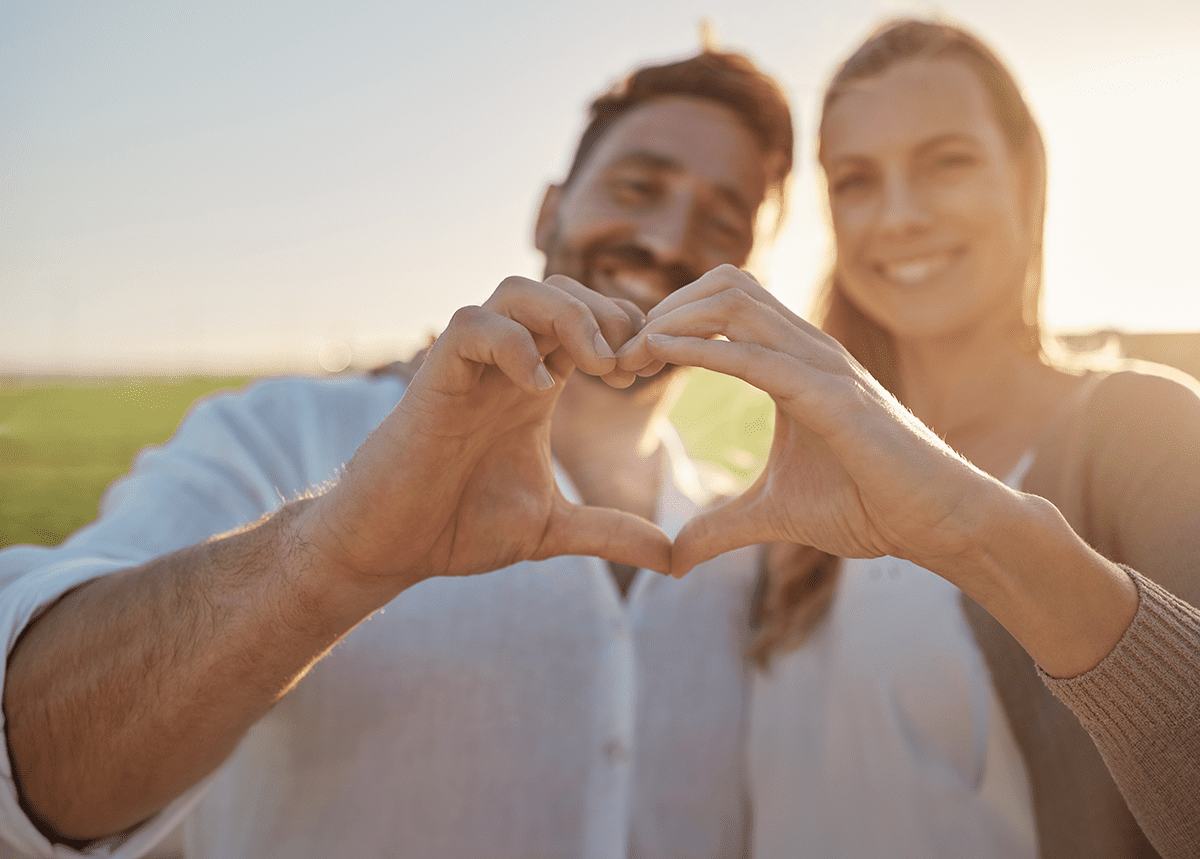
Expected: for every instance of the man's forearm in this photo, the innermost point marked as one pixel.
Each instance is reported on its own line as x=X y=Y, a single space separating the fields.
x=134 y=686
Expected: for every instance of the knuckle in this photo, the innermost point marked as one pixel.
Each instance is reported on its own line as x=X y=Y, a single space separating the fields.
x=735 y=300
x=731 y=276
x=514 y=281
x=560 y=281
x=757 y=351
x=615 y=320
x=575 y=314
x=513 y=339
x=466 y=317
x=509 y=287
x=630 y=310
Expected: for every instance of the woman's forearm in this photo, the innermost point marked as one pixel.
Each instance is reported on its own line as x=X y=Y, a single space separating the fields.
x=1066 y=604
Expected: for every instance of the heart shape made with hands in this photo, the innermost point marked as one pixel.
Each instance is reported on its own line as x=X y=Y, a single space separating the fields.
x=548 y=319
x=850 y=471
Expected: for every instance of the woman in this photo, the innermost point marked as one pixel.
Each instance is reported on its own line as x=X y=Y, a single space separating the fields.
x=934 y=506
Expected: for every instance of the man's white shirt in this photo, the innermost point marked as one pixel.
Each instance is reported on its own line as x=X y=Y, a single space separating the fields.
x=527 y=712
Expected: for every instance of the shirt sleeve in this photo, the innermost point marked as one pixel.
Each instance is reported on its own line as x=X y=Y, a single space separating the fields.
x=233 y=460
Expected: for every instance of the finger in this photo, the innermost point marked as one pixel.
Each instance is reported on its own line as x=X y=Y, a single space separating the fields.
x=718 y=280
x=618 y=318
x=607 y=310
x=477 y=337
x=637 y=319
x=732 y=313
x=602 y=532
x=766 y=369
x=619 y=378
x=729 y=282
x=651 y=369
x=560 y=365
x=735 y=524
x=561 y=319
x=821 y=398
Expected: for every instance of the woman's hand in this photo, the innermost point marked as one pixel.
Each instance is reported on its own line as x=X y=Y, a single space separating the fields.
x=850 y=471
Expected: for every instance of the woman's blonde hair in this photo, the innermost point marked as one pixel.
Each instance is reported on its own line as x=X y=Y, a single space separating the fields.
x=793 y=599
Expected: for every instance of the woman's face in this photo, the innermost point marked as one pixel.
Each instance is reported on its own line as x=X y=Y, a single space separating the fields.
x=926 y=200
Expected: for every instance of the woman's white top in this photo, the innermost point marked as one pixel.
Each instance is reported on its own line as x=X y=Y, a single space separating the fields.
x=881 y=736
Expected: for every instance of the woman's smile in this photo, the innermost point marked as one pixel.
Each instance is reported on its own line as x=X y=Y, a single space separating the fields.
x=918 y=269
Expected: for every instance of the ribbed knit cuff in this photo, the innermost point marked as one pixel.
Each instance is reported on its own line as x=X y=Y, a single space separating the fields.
x=1141 y=705
x=1150 y=678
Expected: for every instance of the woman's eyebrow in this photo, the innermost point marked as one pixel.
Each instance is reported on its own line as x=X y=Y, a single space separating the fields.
x=851 y=160
x=948 y=137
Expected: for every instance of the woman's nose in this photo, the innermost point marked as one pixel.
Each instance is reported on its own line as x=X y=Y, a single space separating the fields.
x=903 y=208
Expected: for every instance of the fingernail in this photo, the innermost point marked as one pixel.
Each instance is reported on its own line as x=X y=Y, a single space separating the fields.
x=542 y=378
x=602 y=347
x=659 y=339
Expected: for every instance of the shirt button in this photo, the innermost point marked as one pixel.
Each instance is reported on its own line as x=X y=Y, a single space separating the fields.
x=616 y=751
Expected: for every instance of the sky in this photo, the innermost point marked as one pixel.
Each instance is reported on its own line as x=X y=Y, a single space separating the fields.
x=286 y=186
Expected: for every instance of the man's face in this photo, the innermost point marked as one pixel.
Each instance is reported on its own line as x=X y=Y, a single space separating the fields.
x=669 y=192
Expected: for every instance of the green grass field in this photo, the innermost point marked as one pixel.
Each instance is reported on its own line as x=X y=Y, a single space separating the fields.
x=63 y=440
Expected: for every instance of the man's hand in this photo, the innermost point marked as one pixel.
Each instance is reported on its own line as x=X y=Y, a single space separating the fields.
x=458 y=479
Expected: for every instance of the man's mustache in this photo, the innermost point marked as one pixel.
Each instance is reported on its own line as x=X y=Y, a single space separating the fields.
x=633 y=256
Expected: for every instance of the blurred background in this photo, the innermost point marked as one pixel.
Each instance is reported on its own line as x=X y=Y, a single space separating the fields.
x=290 y=186
x=195 y=193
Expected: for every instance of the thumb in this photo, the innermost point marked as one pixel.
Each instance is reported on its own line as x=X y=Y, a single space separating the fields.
x=734 y=524
x=614 y=535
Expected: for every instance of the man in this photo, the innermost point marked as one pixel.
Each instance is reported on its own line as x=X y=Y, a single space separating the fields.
x=554 y=707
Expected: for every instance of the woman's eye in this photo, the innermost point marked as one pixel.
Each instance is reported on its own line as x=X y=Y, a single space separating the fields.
x=954 y=160
x=852 y=182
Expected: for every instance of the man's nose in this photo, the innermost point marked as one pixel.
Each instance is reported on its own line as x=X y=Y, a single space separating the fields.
x=666 y=231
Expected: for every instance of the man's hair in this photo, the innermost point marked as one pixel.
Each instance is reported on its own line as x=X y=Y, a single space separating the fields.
x=728 y=79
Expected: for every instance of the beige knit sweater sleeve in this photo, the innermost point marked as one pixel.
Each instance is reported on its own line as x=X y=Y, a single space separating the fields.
x=1141 y=705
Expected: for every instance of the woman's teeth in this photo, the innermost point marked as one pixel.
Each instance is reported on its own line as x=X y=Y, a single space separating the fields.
x=911 y=272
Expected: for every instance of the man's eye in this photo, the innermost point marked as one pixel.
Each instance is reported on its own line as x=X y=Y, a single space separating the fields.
x=729 y=227
x=631 y=190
